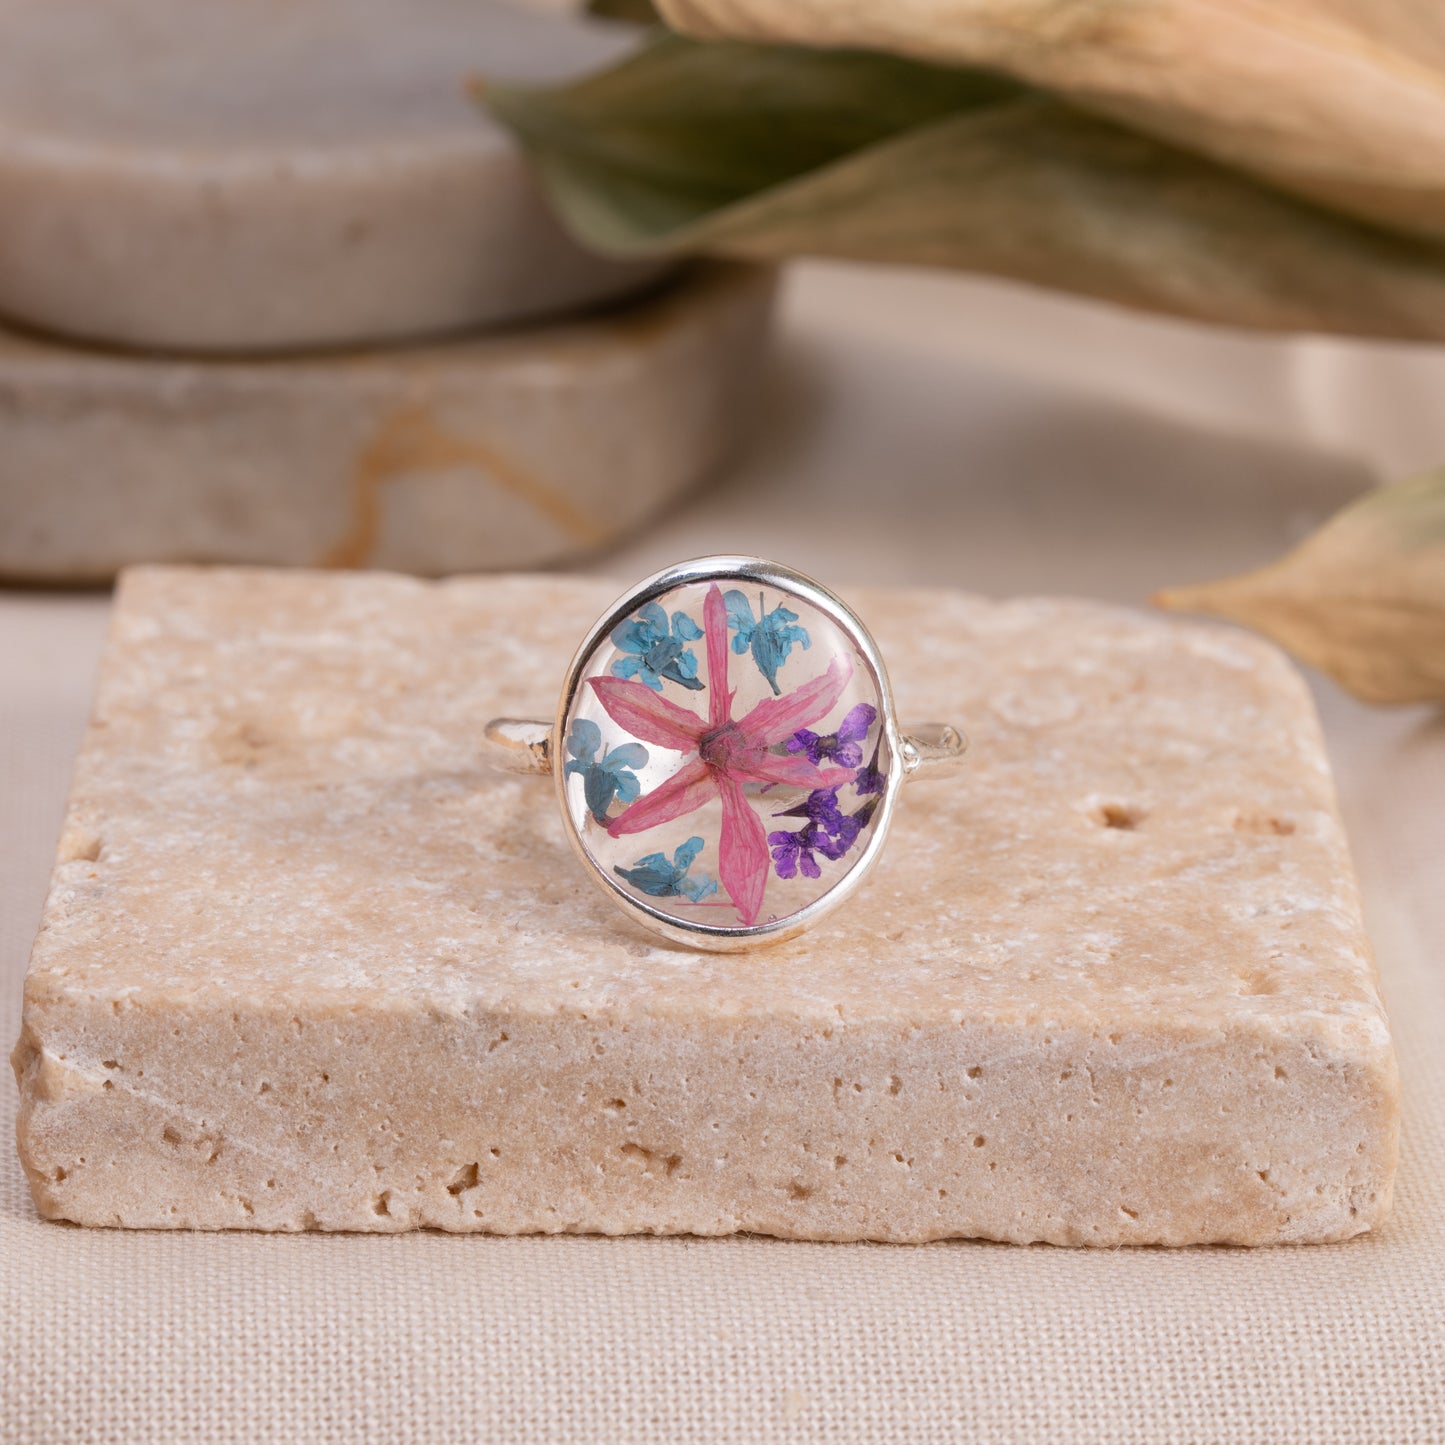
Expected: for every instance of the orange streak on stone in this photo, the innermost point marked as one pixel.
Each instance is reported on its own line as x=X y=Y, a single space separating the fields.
x=410 y=441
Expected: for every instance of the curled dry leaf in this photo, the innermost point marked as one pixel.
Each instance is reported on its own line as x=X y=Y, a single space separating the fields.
x=1338 y=101
x=768 y=152
x=1363 y=599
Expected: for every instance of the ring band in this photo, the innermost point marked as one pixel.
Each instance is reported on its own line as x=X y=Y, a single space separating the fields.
x=725 y=752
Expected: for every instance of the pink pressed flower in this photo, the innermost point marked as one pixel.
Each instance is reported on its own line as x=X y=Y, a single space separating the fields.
x=730 y=753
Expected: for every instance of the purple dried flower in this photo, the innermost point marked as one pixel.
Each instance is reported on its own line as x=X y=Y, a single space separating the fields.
x=793 y=852
x=844 y=747
x=869 y=779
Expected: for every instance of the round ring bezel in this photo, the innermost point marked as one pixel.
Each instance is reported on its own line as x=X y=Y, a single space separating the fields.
x=755 y=570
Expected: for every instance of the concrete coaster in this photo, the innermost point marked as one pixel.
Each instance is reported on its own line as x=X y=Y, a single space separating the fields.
x=266 y=175
x=503 y=451
x=306 y=964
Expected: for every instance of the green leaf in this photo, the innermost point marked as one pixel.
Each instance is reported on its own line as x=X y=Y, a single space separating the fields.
x=1363 y=599
x=635 y=12
x=769 y=152
x=681 y=130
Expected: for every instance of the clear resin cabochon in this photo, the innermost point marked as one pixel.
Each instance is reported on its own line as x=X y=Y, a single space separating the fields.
x=726 y=751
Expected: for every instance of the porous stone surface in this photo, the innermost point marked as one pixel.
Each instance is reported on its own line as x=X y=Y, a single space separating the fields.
x=498 y=451
x=272 y=174
x=307 y=964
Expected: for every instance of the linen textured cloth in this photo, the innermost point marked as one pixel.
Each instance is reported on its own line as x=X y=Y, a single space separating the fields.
x=147 y=1339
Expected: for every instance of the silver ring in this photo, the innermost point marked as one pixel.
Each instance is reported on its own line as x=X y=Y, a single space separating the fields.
x=725 y=752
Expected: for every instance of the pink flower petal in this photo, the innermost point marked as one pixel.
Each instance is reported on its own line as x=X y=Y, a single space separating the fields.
x=776 y=718
x=688 y=788
x=795 y=771
x=647 y=715
x=715 y=625
x=742 y=850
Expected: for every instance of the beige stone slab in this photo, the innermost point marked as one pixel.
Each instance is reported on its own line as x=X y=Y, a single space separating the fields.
x=264 y=175
x=307 y=964
x=498 y=451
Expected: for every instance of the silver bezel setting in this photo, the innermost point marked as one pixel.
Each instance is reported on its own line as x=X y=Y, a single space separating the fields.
x=900 y=750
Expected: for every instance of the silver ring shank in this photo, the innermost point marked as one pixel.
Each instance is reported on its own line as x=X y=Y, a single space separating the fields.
x=518 y=745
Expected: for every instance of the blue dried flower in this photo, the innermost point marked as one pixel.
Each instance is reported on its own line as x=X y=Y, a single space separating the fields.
x=655 y=648
x=659 y=878
x=606 y=777
x=770 y=636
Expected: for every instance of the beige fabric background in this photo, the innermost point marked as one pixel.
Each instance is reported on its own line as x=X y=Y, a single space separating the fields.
x=927 y=431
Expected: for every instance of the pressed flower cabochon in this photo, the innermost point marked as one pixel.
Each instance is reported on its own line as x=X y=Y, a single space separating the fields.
x=726 y=751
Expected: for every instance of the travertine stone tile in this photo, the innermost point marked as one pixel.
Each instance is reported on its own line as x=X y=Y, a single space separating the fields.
x=307 y=964
x=499 y=451
x=263 y=175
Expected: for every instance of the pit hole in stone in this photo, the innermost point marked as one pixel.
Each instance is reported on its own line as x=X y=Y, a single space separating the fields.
x=614 y=1106
x=464 y=1178
x=1279 y=1073
x=110 y=1063
x=502 y=1038
x=170 y=1136
x=381 y=1204
x=839 y=1160
x=1255 y=985
x=1126 y=816
x=263 y=1087
x=80 y=848
x=798 y=1191
x=1132 y=1213
x=1262 y=1175
x=247 y=1206
x=979 y=1141
x=59 y=1175
x=975 y=1071
x=1266 y=823
x=943 y=1194
x=895 y=1084
x=495 y=1152
x=107 y=1085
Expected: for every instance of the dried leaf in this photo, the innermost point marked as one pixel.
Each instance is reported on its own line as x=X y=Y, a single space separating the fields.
x=1338 y=101
x=769 y=152
x=1362 y=599
x=634 y=12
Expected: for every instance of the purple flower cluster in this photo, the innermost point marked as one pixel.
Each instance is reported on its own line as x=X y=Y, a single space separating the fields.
x=829 y=832
x=844 y=747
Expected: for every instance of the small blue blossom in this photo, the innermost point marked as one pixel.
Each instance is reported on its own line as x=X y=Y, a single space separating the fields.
x=606 y=777
x=770 y=636
x=656 y=648
x=659 y=878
